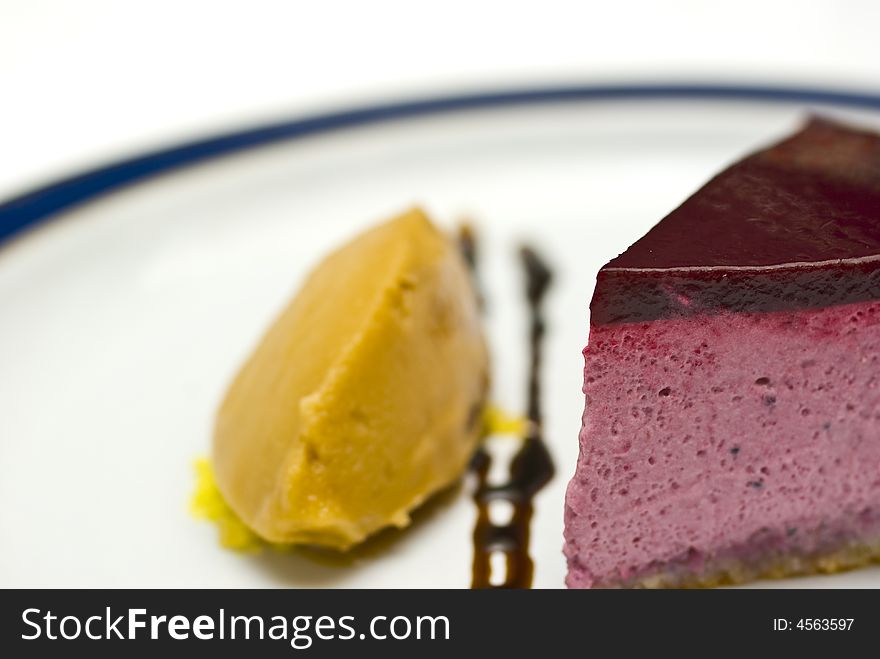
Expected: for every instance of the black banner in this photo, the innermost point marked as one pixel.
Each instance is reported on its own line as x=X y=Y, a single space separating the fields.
x=424 y=623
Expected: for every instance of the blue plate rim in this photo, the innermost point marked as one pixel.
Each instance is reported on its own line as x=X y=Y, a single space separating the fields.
x=42 y=203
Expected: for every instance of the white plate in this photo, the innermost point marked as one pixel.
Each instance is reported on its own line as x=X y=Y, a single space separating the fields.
x=123 y=321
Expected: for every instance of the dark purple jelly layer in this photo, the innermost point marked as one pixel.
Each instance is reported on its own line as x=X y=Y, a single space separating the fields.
x=628 y=297
x=793 y=226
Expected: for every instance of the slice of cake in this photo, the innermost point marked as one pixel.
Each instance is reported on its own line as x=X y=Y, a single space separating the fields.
x=732 y=379
x=363 y=398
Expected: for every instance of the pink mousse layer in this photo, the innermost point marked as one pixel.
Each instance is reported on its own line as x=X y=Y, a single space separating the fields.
x=704 y=437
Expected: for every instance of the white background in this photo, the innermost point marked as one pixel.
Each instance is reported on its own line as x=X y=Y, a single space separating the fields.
x=85 y=81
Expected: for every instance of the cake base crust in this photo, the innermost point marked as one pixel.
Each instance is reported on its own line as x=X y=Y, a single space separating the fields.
x=731 y=572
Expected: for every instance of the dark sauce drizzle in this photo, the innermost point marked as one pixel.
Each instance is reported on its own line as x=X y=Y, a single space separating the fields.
x=467 y=245
x=531 y=467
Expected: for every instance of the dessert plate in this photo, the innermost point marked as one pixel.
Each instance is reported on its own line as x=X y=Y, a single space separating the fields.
x=126 y=308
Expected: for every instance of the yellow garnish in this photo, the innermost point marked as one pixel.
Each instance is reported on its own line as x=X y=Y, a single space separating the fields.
x=498 y=422
x=207 y=503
